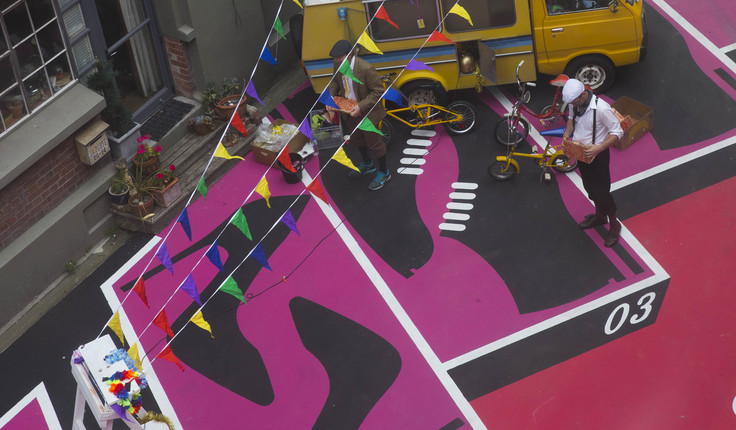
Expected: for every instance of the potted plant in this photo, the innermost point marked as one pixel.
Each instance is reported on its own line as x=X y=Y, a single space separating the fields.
x=166 y=186
x=201 y=124
x=119 y=187
x=140 y=194
x=147 y=156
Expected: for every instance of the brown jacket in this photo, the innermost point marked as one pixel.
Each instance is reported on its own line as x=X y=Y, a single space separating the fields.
x=368 y=93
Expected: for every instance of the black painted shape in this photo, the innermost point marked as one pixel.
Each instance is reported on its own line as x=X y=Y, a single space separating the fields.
x=726 y=77
x=732 y=54
x=523 y=229
x=688 y=106
x=388 y=220
x=299 y=104
x=230 y=359
x=361 y=365
x=453 y=425
x=556 y=344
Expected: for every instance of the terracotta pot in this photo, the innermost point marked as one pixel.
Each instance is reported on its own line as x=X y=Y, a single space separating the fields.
x=225 y=107
x=201 y=129
x=149 y=166
x=141 y=210
x=168 y=195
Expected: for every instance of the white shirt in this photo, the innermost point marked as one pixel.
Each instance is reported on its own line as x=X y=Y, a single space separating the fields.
x=607 y=124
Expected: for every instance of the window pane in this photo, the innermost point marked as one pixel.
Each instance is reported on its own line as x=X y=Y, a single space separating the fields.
x=136 y=70
x=19 y=26
x=119 y=18
x=37 y=89
x=83 y=55
x=417 y=19
x=50 y=40
x=486 y=14
x=59 y=74
x=41 y=12
x=74 y=21
x=28 y=57
x=5 y=3
x=7 y=77
x=12 y=107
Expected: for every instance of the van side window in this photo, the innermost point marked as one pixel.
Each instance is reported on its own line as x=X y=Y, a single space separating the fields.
x=485 y=14
x=417 y=18
x=555 y=7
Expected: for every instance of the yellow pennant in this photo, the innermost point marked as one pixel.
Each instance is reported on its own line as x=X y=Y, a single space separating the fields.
x=368 y=44
x=133 y=353
x=343 y=159
x=222 y=152
x=114 y=324
x=299 y=4
x=263 y=190
x=460 y=11
x=199 y=320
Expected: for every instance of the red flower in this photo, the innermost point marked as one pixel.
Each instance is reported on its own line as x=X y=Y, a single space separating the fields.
x=157 y=148
x=172 y=167
x=160 y=175
x=141 y=148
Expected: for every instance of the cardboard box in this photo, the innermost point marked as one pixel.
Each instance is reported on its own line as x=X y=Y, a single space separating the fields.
x=92 y=143
x=637 y=119
x=268 y=156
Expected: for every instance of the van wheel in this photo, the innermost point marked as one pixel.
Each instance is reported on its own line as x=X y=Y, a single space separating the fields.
x=424 y=91
x=592 y=70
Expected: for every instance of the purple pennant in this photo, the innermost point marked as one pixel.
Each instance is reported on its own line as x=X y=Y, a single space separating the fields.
x=190 y=288
x=305 y=129
x=184 y=220
x=163 y=256
x=417 y=65
x=120 y=411
x=260 y=256
x=288 y=219
x=267 y=57
x=214 y=255
x=394 y=95
x=251 y=91
x=327 y=100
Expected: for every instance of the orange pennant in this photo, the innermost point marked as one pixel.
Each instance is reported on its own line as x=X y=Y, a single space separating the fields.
x=166 y=354
x=316 y=188
x=140 y=289
x=238 y=123
x=162 y=322
x=285 y=159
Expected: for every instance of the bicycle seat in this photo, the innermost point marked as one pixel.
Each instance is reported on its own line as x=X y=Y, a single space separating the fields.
x=559 y=81
x=555 y=132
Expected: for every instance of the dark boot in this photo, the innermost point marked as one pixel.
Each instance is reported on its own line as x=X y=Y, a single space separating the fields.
x=614 y=232
x=592 y=220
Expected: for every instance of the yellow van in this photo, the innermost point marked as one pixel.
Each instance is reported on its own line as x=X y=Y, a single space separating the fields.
x=585 y=39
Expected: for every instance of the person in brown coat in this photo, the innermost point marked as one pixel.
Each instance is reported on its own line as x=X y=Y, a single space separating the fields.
x=367 y=95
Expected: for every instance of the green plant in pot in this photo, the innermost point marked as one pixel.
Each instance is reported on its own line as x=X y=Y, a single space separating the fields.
x=141 y=187
x=119 y=187
x=102 y=80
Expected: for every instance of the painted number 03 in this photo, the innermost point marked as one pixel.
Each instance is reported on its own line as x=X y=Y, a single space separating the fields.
x=621 y=313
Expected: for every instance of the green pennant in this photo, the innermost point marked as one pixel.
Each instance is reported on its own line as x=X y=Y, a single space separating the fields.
x=367 y=125
x=345 y=70
x=231 y=287
x=202 y=188
x=240 y=222
x=278 y=27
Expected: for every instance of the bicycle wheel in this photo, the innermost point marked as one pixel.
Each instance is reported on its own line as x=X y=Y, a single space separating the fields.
x=388 y=131
x=562 y=163
x=464 y=109
x=510 y=132
x=502 y=170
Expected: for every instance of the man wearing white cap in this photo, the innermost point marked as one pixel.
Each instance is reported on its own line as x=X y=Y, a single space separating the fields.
x=592 y=122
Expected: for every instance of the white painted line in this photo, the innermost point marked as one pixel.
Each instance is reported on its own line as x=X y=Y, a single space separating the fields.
x=423 y=133
x=454 y=206
x=411 y=329
x=39 y=393
x=455 y=216
x=728 y=48
x=416 y=151
x=409 y=171
x=452 y=227
x=419 y=142
x=464 y=186
x=413 y=161
x=462 y=196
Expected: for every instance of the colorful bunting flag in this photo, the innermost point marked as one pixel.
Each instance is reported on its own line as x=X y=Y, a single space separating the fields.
x=288 y=219
x=279 y=28
x=436 y=36
x=251 y=91
x=114 y=324
x=460 y=11
x=368 y=43
x=240 y=222
x=166 y=354
x=221 y=152
x=326 y=99
x=260 y=256
x=140 y=289
x=263 y=190
x=162 y=322
x=202 y=188
x=367 y=125
x=231 y=287
x=347 y=71
x=285 y=159
x=133 y=353
x=298 y=4
x=198 y=319
x=267 y=57
x=189 y=287
x=184 y=220
x=214 y=255
x=343 y=159
x=163 y=256
x=306 y=129
x=238 y=123
x=381 y=14
x=316 y=188
x=394 y=95
x=417 y=65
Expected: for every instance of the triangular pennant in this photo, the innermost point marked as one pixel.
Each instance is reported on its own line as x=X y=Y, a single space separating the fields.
x=394 y=95
x=343 y=159
x=347 y=71
x=163 y=256
x=326 y=99
x=214 y=255
x=114 y=324
x=298 y=4
x=417 y=65
x=288 y=219
x=198 y=319
x=460 y=11
x=240 y=222
x=381 y=14
x=316 y=188
x=133 y=353
x=140 y=289
x=436 y=36
x=260 y=256
x=306 y=129
x=263 y=190
x=120 y=410
x=251 y=91
x=279 y=28
x=202 y=188
x=238 y=123
x=367 y=125
x=267 y=57
x=285 y=159
x=221 y=152
x=189 y=287
x=368 y=43
x=184 y=220
x=162 y=322
x=231 y=287
x=166 y=354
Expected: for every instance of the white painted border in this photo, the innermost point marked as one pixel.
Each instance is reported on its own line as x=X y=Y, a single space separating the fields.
x=39 y=393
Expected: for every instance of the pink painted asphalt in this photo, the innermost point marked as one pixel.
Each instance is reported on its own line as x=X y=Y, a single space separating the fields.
x=30 y=417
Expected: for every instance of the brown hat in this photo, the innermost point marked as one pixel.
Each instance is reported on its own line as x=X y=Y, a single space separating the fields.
x=341 y=47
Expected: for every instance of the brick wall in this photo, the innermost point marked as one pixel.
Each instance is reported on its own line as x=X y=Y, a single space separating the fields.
x=41 y=188
x=180 y=67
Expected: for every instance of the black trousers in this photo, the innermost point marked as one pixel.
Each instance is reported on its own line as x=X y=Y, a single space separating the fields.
x=597 y=183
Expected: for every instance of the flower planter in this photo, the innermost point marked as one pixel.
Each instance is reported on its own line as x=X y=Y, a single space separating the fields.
x=225 y=107
x=168 y=195
x=141 y=209
x=149 y=166
x=125 y=146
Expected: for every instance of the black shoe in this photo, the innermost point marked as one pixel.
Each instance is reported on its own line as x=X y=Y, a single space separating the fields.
x=613 y=235
x=591 y=221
